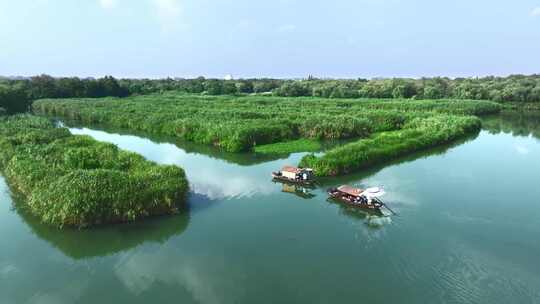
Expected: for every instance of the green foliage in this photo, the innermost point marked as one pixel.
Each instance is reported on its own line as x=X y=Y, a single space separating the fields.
x=417 y=134
x=515 y=88
x=242 y=123
x=16 y=95
x=77 y=181
x=299 y=145
x=245 y=87
x=293 y=89
x=13 y=99
x=334 y=127
x=270 y=124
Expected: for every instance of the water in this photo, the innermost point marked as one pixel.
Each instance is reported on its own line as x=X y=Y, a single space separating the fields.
x=467 y=232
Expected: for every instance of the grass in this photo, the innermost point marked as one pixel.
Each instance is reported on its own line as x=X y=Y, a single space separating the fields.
x=419 y=134
x=238 y=124
x=270 y=125
x=72 y=180
x=299 y=145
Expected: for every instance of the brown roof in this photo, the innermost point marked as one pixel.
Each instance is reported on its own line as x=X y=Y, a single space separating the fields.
x=350 y=190
x=291 y=169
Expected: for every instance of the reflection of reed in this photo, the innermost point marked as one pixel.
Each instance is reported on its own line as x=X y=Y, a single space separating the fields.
x=242 y=159
x=106 y=240
x=208 y=176
x=353 y=179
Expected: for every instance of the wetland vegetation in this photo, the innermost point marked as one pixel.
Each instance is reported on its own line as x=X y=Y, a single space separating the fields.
x=285 y=125
x=77 y=181
x=418 y=134
x=516 y=91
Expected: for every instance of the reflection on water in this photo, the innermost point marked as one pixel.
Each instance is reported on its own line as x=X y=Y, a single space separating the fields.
x=204 y=278
x=298 y=190
x=358 y=177
x=242 y=159
x=212 y=177
x=106 y=240
x=372 y=219
x=515 y=123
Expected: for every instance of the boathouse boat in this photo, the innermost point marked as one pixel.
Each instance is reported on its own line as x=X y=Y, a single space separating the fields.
x=368 y=198
x=294 y=175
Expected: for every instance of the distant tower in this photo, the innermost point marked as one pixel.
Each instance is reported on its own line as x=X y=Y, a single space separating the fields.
x=228 y=77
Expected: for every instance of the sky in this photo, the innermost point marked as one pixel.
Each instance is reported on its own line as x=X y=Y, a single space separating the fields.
x=269 y=38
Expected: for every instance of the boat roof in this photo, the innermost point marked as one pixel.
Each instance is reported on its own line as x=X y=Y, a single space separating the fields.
x=350 y=190
x=294 y=169
x=291 y=169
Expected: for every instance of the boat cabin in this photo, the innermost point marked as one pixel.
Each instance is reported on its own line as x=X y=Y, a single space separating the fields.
x=364 y=198
x=354 y=195
x=349 y=194
x=294 y=173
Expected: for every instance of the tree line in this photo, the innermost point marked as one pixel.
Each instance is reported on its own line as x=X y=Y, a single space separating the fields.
x=514 y=88
x=17 y=94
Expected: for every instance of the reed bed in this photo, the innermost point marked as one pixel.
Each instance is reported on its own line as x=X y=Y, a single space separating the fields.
x=416 y=135
x=76 y=181
x=238 y=124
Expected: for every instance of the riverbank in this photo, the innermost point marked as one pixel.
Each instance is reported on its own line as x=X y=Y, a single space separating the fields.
x=70 y=180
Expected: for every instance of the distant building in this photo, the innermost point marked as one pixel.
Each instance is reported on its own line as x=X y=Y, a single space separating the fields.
x=228 y=77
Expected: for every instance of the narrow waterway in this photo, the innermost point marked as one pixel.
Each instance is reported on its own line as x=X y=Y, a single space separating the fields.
x=467 y=232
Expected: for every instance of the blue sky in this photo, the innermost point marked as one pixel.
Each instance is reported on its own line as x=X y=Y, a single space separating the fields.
x=277 y=38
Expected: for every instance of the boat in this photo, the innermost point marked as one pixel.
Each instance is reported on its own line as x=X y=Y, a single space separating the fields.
x=366 y=199
x=302 y=176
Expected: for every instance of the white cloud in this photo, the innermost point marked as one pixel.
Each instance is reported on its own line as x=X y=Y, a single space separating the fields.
x=536 y=12
x=522 y=150
x=169 y=13
x=108 y=4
